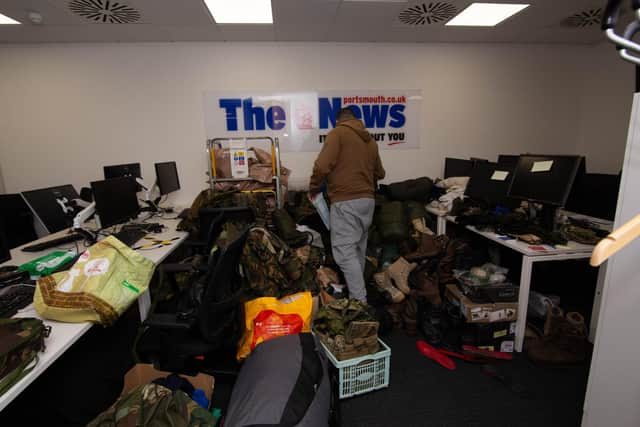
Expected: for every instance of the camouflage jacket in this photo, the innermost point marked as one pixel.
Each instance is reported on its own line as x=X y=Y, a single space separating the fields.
x=154 y=405
x=272 y=269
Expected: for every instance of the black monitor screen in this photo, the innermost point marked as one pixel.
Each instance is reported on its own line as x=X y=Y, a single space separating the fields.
x=53 y=206
x=489 y=182
x=18 y=220
x=118 y=171
x=5 y=255
x=508 y=160
x=545 y=179
x=116 y=200
x=595 y=195
x=457 y=167
x=167 y=176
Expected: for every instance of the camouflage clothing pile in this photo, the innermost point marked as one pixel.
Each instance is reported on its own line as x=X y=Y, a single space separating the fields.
x=272 y=269
x=347 y=329
x=579 y=234
x=206 y=199
x=154 y=405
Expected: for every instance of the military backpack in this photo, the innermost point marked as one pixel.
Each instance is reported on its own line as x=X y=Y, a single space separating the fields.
x=20 y=341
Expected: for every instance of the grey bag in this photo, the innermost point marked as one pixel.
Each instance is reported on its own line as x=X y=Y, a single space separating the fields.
x=283 y=383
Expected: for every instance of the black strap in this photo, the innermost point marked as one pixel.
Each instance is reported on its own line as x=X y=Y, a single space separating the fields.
x=304 y=391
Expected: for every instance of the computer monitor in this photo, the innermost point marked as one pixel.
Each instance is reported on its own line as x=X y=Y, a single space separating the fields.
x=116 y=200
x=117 y=171
x=53 y=207
x=5 y=254
x=489 y=183
x=457 y=167
x=509 y=160
x=595 y=195
x=18 y=220
x=167 y=177
x=546 y=179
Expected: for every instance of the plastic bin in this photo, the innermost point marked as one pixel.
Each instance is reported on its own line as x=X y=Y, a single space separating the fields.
x=362 y=374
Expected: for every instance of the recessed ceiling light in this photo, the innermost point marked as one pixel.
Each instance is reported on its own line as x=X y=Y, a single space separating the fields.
x=240 y=11
x=6 y=20
x=380 y=1
x=486 y=14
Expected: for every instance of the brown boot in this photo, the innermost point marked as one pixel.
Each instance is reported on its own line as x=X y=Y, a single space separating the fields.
x=428 y=288
x=410 y=317
x=554 y=321
x=565 y=343
x=395 y=311
x=428 y=247
x=383 y=283
x=399 y=272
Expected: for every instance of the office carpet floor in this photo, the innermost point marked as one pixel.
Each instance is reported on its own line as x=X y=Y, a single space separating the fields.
x=421 y=393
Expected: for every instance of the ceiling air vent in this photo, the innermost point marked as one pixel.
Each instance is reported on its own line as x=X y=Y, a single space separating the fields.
x=585 y=19
x=105 y=11
x=427 y=13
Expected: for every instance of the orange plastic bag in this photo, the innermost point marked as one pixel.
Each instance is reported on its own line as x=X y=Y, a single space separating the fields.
x=268 y=317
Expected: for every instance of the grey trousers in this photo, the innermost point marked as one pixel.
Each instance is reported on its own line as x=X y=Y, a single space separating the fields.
x=350 y=222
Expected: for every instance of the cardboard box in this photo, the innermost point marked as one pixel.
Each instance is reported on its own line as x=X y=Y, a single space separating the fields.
x=481 y=312
x=142 y=374
x=497 y=336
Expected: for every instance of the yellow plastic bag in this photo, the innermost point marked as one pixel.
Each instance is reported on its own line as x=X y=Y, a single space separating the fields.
x=268 y=317
x=107 y=278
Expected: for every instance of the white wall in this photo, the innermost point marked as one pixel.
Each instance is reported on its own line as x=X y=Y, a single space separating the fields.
x=66 y=110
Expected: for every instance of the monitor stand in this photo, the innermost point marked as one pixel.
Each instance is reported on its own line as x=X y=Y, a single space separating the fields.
x=545 y=217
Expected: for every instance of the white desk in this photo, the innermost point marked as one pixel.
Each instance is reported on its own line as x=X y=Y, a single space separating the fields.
x=64 y=335
x=531 y=254
x=441 y=219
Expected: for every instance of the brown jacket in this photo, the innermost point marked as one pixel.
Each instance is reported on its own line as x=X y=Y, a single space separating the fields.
x=350 y=162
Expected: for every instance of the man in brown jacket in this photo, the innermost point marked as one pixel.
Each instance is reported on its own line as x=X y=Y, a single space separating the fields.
x=351 y=165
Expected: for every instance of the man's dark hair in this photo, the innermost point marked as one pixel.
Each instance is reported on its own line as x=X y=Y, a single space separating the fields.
x=345 y=114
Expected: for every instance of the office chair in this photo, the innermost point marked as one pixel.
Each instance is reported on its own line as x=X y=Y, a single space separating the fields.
x=192 y=339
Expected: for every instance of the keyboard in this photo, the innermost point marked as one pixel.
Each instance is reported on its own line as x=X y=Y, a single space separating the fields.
x=129 y=236
x=15 y=298
x=67 y=238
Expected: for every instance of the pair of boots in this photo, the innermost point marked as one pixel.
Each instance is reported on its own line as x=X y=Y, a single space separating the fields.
x=428 y=246
x=395 y=279
x=405 y=315
x=564 y=340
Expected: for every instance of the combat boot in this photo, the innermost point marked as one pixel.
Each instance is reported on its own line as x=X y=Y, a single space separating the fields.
x=428 y=247
x=427 y=287
x=410 y=317
x=399 y=272
x=565 y=343
x=383 y=283
x=395 y=311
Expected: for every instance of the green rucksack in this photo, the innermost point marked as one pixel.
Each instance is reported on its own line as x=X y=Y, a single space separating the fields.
x=20 y=341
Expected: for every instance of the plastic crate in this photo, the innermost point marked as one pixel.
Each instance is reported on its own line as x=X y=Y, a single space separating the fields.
x=362 y=374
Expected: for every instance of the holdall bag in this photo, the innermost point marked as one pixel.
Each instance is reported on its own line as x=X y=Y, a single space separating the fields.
x=283 y=383
x=107 y=278
x=20 y=341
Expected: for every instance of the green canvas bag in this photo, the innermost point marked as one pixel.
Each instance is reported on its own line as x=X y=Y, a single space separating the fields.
x=20 y=341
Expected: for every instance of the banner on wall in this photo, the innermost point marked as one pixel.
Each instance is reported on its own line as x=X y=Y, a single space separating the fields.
x=302 y=120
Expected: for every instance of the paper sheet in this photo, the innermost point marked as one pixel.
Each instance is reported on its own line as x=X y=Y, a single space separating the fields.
x=542 y=166
x=500 y=175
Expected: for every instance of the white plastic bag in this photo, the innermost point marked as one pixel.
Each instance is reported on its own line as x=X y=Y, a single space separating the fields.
x=323 y=210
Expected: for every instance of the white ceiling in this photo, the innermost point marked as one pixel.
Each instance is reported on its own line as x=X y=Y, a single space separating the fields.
x=294 y=20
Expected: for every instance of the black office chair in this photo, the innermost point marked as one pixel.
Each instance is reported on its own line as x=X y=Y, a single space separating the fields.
x=192 y=339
